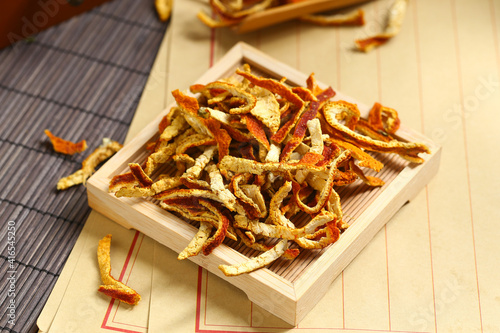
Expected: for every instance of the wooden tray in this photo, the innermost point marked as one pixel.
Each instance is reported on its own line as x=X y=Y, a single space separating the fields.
x=288 y=289
x=290 y=11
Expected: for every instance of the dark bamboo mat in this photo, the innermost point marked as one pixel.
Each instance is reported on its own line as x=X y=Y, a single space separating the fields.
x=81 y=79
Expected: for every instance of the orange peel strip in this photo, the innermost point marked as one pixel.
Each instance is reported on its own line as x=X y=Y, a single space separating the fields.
x=255 y=127
x=163 y=9
x=332 y=234
x=221 y=136
x=241 y=165
x=256 y=262
x=325 y=192
x=407 y=150
x=369 y=180
x=300 y=130
x=235 y=91
x=64 y=146
x=394 y=21
x=111 y=286
x=195 y=246
x=353 y=18
x=221 y=231
x=140 y=175
x=99 y=155
x=278 y=231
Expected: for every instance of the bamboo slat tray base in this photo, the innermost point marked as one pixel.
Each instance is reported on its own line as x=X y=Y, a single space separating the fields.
x=288 y=289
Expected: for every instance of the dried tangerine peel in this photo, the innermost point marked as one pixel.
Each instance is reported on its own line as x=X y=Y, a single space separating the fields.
x=64 y=146
x=257 y=262
x=164 y=9
x=99 y=155
x=243 y=174
x=353 y=18
x=111 y=286
x=230 y=13
x=394 y=21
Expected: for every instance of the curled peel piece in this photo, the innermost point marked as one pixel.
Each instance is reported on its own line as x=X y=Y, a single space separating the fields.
x=257 y=262
x=221 y=231
x=394 y=21
x=65 y=147
x=230 y=13
x=111 y=286
x=407 y=150
x=353 y=18
x=164 y=8
x=196 y=244
x=105 y=151
x=235 y=91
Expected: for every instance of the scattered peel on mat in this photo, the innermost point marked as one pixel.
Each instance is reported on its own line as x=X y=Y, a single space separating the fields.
x=99 y=155
x=65 y=147
x=244 y=176
x=111 y=286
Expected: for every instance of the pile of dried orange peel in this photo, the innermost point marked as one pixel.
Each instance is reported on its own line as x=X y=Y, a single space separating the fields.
x=251 y=152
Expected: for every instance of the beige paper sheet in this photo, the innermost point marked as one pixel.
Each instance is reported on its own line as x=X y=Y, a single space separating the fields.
x=431 y=269
x=434 y=267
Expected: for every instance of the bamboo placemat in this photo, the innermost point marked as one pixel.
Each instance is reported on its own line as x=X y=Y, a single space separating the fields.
x=81 y=80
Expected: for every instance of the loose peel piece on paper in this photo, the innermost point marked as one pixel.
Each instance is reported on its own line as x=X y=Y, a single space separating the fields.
x=111 y=286
x=394 y=21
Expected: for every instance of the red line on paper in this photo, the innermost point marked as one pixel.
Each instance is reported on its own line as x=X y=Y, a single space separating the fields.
x=338 y=53
x=129 y=254
x=135 y=258
x=206 y=300
x=466 y=151
x=128 y=277
x=212 y=44
x=430 y=253
x=343 y=302
x=421 y=98
x=379 y=86
x=387 y=271
x=297 y=47
x=379 y=66
x=198 y=300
